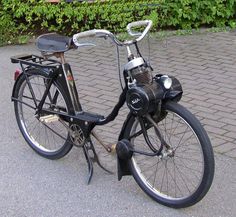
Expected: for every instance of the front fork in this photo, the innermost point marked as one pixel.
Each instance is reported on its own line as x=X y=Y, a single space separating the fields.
x=155 y=152
x=158 y=133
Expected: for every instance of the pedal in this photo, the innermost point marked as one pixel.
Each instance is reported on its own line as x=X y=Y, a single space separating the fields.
x=49 y=118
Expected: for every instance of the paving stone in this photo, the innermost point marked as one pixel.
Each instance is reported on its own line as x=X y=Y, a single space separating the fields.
x=231 y=153
x=231 y=135
x=230 y=128
x=208 y=116
x=226 y=147
x=216 y=141
x=228 y=121
x=218 y=102
x=215 y=130
x=214 y=123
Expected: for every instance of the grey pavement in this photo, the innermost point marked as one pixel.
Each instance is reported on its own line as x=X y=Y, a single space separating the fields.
x=33 y=186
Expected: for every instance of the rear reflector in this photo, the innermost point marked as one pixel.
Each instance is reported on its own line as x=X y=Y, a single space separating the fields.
x=17 y=73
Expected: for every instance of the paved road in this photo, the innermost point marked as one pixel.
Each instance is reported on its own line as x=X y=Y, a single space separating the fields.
x=33 y=186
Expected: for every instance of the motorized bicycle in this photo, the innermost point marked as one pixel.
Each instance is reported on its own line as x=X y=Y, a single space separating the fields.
x=161 y=144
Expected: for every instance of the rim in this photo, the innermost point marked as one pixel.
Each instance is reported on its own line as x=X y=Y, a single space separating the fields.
x=176 y=176
x=38 y=133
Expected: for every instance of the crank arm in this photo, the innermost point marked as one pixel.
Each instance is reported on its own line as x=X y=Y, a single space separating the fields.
x=109 y=148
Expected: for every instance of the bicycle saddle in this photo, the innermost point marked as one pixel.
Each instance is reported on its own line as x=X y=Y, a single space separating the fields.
x=53 y=43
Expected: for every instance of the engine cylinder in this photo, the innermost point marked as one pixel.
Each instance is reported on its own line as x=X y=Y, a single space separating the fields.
x=139 y=70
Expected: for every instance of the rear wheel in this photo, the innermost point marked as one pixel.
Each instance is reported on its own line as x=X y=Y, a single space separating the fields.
x=47 y=134
x=183 y=173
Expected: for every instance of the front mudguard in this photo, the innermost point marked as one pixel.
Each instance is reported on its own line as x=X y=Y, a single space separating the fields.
x=123 y=168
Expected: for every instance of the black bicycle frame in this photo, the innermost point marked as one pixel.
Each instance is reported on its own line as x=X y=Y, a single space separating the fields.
x=63 y=76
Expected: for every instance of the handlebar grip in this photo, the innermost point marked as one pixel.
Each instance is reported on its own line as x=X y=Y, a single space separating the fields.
x=89 y=33
x=147 y=23
x=138 y=23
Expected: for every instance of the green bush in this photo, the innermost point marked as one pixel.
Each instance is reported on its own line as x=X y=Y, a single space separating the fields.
x=7 y=27
x=38 y=16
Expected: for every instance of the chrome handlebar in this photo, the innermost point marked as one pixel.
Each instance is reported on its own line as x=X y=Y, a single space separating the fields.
x=106 y=33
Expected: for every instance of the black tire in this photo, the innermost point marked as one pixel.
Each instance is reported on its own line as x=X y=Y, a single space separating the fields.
x=188 y=180
x=50 y=140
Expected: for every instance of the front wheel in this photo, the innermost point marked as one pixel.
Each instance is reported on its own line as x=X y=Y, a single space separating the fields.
x=183 y=173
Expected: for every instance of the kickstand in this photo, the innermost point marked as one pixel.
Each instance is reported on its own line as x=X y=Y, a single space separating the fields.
x=91 y=159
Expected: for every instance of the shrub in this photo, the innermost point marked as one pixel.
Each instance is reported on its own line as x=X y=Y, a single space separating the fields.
x=39 y=16
x=7 y=27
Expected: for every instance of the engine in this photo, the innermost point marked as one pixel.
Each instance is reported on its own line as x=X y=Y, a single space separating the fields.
x=144 y=93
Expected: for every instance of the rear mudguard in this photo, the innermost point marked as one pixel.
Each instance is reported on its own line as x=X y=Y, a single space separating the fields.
x=38 y=71
x=60 y=81
x=13 y=95
x=173 y=94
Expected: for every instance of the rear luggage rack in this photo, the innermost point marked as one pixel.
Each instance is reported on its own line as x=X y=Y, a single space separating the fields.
x=34 y=60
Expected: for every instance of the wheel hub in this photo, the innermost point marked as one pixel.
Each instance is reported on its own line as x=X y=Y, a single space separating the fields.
x=167 y=153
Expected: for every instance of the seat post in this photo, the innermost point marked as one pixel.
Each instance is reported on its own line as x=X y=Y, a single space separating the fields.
x=62 y=57
x=57 y=55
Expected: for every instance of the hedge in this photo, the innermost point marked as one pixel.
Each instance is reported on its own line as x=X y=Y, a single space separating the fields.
x=38 y=16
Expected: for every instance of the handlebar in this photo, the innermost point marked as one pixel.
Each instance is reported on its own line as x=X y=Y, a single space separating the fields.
x=106 y=33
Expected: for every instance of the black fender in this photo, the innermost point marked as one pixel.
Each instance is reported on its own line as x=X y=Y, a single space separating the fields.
x=123 y=135
x=14 y=87
x=32 y=71
x=123 y=167
x=60 y=82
